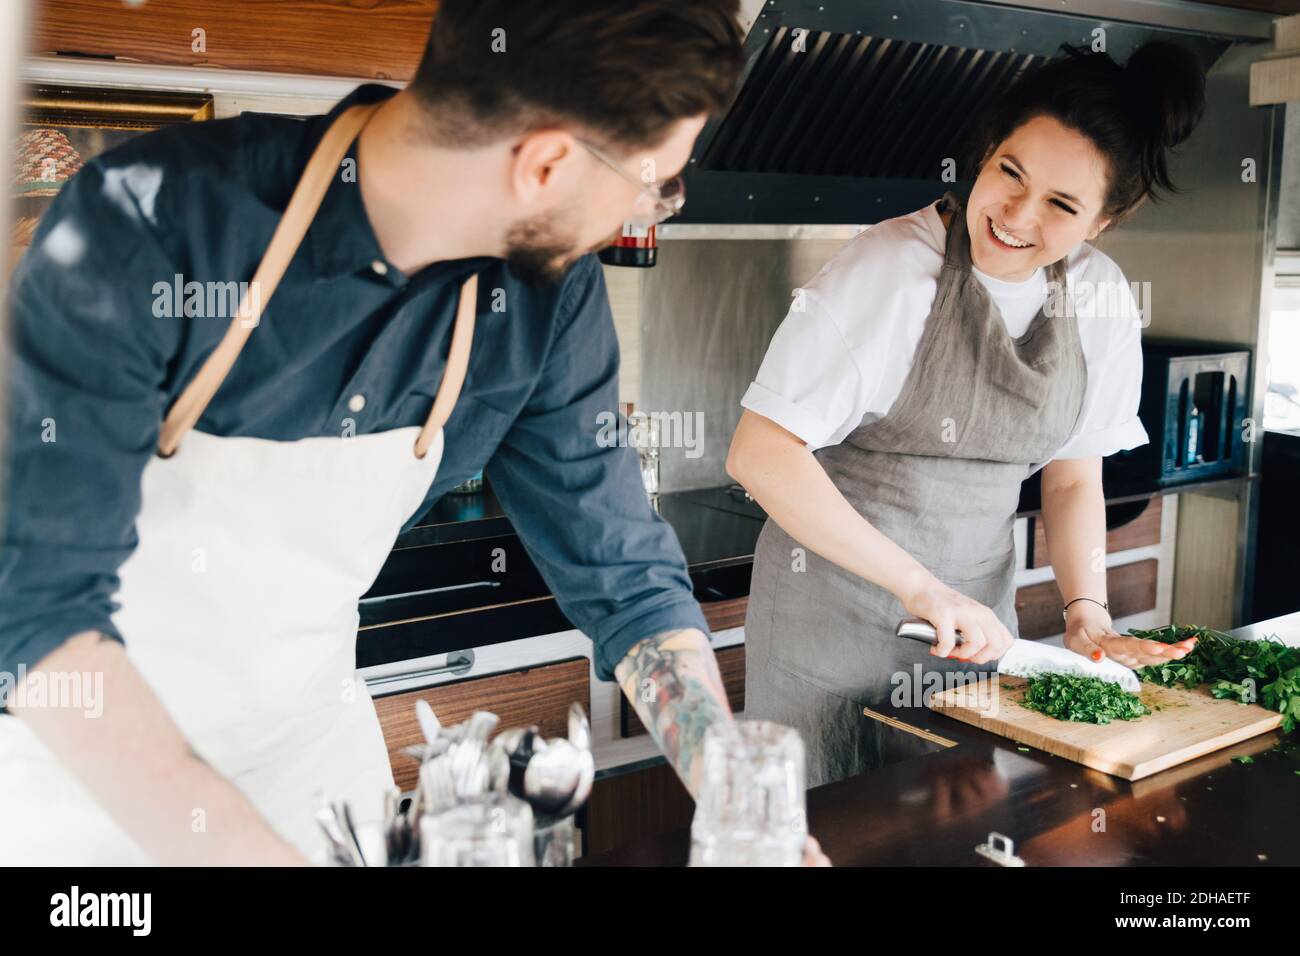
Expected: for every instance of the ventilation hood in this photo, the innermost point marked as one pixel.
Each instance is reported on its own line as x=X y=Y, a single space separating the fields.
x=848 y=109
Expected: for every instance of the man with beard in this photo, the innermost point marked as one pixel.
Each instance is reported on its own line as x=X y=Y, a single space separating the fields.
x=198 y=500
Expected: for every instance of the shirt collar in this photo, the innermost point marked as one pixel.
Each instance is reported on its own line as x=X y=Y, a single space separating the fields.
x=341 y=238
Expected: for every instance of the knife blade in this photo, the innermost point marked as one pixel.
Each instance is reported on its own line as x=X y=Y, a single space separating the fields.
x=1031 y=658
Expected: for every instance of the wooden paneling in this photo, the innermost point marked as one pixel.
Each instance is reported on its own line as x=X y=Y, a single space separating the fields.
x=539 y=695
x=1275 y=81
x=721 y=615
x=1141 y=531
x=377 y=39
x=731 y=665
x=1131 y=588
x=1205 y=567
x=632 y=806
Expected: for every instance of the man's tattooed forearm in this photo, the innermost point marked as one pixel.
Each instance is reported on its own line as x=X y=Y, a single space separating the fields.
x=678 y=694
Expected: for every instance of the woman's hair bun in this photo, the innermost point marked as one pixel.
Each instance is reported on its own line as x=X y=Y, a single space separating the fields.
x=1168 y=80
x=1134 y=114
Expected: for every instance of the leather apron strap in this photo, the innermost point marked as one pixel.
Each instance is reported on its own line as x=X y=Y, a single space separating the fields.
x=453 y=377
x=288 y=235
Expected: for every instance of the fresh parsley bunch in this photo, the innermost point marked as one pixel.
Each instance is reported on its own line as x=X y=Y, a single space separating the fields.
x=1084 y=699
x=1267 y=671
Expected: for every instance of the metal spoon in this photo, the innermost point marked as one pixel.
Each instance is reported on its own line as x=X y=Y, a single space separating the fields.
x=429 y=725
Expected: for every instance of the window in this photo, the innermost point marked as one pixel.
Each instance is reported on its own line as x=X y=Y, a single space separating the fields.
x=1282 y=402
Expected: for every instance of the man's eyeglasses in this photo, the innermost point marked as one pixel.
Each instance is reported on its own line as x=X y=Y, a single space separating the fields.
x=668 y=197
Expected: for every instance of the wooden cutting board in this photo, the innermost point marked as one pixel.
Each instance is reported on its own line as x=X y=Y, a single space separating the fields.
x=1183 y=724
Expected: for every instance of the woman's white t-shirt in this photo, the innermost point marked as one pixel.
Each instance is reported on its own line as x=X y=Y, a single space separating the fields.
x=842 y=353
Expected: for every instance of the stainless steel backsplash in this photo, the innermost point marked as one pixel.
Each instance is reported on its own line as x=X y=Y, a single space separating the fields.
x=707 y=311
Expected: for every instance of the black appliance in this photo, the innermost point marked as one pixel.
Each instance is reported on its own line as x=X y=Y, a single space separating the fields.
x=1195 y=397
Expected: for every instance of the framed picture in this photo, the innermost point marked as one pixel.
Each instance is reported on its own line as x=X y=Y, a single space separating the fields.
x=62 y=127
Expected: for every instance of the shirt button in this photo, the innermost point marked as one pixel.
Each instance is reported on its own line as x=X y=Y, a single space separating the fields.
x=356 y=402
x=380 y=267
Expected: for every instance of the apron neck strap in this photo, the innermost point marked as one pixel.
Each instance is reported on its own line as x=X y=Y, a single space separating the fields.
x=956 y=253
x=306 y=199
x=453 y=377
x=289 y=232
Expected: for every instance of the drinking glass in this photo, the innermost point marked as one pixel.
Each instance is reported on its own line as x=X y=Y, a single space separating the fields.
x=751 y=809
x=643 y=435
x=554 y=840
x=494 y=830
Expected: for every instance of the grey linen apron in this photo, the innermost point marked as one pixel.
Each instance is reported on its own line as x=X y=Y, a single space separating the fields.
x=940 y=474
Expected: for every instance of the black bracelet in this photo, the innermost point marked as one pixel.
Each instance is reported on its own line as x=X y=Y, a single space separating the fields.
x=1104 y=605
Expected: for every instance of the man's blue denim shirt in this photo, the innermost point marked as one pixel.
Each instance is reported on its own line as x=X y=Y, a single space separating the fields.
x=99 y=352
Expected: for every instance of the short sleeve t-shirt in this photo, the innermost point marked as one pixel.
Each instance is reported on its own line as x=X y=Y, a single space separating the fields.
x=842 y=353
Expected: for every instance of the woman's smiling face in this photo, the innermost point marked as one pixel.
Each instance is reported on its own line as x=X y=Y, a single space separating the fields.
x=1038 y=195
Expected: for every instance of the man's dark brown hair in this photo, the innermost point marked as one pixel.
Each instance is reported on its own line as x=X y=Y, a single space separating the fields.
x=623 y=71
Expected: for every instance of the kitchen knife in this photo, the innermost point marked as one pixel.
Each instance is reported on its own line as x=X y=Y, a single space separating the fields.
x=919 y=629
x=1031 y=658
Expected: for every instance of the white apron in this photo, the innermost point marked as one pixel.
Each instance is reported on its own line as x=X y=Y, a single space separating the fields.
x=239 y=605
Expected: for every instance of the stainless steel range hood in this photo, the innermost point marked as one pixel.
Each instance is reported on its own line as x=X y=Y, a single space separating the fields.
x=851 y=111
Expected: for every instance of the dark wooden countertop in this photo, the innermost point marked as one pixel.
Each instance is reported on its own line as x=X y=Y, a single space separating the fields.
x=932 y=809
x=934 y=802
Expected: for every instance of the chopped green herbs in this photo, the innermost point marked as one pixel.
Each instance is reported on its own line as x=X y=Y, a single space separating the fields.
x=1083 y=699
x=1265 y=672
x=1245 y=759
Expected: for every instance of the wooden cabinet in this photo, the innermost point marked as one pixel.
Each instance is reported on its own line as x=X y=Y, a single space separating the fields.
x=1132 y=586
x=374 y=39
x=1138 y=532
x=627 y=807
x=721 y=615
x=1132 y=589
x=539 y=695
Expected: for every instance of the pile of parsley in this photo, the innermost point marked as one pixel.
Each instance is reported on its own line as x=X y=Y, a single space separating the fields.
x=1083 y=699
x=1266 y=672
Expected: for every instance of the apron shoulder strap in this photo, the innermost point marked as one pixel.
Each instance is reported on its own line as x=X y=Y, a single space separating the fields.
x=306 y=199
x=453 y=377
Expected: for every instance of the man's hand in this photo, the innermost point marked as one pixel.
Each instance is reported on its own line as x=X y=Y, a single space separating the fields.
x=1088 y=631
x=813 y=855
x=673 y=683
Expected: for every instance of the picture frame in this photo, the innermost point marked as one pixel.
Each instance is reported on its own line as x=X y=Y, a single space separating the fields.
x=61 y=127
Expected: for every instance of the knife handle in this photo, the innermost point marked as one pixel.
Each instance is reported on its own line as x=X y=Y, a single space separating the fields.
x=919 y=629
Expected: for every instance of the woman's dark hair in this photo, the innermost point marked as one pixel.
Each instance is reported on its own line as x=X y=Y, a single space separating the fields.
x=1134 y=114
x=625 y=70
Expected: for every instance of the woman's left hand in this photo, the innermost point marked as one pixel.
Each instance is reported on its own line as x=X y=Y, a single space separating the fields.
x=1088 y=631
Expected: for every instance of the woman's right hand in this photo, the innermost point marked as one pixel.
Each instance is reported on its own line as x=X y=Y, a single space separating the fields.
x=984 y=638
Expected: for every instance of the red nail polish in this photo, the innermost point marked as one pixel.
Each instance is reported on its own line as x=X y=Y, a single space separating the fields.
x=1096 y=655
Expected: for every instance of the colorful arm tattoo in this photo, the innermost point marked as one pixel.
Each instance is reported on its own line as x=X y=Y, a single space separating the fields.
x=673 y=683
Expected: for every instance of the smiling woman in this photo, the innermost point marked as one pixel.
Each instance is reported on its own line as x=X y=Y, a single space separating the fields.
x=1083 y=119
x=888 y=444
x=1084 y=139
x=1011 y=236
